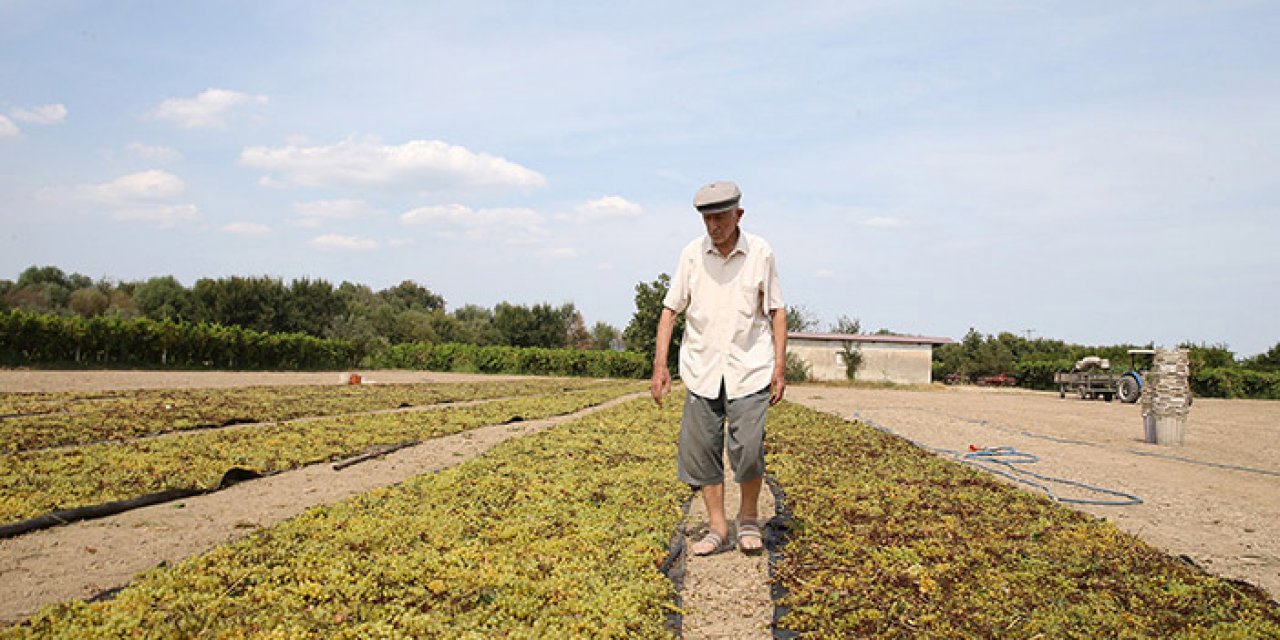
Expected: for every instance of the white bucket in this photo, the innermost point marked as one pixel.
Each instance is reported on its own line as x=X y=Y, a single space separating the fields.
x=1165 y=429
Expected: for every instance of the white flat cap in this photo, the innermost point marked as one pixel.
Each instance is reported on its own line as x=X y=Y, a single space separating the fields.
x=717 y=197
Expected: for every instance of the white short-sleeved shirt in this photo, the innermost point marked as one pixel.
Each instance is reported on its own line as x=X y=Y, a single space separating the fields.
x=726 y=301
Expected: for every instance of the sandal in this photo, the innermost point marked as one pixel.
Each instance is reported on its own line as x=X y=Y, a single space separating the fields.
x=719 y=544
x=750 y=529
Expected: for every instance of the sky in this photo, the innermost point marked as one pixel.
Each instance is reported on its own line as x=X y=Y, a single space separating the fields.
x=1094 y=172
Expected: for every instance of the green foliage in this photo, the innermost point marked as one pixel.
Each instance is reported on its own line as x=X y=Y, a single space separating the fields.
x=797 y=370
x=1038 y=374
x=603 y=335
x=1235 y=382
x=164 y=298
x=512 y=360
x=1269 y=361
x=538 y=326
x=28 y=339
x=801 y=320
x=890 y=541
x=642 y=332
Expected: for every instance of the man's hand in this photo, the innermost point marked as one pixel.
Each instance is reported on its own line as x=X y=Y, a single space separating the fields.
x=777 y=386
x=660 y=384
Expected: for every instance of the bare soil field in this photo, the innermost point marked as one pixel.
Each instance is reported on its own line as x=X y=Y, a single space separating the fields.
x=1214 y=499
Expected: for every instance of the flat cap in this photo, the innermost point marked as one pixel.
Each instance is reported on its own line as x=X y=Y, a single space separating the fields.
x=717 y=197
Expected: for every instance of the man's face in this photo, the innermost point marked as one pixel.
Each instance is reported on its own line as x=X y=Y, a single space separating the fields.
x=720 y=226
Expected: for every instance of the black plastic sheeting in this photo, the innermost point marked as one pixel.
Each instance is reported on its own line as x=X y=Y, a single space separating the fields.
x=777 y=532
x=67 y=516
x=673 y=568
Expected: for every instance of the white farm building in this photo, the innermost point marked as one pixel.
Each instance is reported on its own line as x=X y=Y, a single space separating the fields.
x=896 y=359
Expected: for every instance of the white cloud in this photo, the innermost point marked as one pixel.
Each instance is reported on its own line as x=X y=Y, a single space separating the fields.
x=43 y=114
x=430 y=164
x=885 y=222
x=161 y=215
x=208 y=109
x=824 y=273
x=8 y=129
x=559 y=253
x=247 y=229
x=516 y=225
x=313 y=214
x=401 y=242
x=336 y=242
x=134 y=197
x=147 y=185
x=155 y=153
x=602 y=209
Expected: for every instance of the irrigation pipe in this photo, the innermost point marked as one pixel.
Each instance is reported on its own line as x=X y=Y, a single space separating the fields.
x=1008 y=457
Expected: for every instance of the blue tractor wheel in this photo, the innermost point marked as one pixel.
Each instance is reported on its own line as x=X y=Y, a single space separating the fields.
x=1130 y=388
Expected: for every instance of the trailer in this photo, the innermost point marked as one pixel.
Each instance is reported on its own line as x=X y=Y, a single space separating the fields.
x=1091 y=378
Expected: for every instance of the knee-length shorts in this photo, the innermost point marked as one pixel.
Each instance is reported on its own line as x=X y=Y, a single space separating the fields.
x=700 y=460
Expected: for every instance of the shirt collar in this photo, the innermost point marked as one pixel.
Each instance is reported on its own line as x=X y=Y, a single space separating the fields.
x=740 y=247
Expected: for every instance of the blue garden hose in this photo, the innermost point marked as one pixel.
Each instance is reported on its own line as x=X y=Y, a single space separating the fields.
x=1007 y=457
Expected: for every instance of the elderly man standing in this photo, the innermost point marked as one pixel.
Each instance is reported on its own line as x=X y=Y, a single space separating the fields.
x=732 y=359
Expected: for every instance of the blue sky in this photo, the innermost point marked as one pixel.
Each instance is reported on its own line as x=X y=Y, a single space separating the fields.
x=1088 y=171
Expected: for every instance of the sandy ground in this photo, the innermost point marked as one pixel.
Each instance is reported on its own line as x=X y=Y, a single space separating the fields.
x=726 y=596
x=1227 y=520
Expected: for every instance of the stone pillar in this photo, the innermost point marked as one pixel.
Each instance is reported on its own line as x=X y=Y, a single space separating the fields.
x=1166 y=397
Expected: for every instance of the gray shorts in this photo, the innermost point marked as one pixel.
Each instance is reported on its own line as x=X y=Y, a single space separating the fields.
x=702 y=438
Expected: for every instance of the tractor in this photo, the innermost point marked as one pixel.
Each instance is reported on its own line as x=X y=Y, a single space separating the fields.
x=1092 y=378
x=1129 y=388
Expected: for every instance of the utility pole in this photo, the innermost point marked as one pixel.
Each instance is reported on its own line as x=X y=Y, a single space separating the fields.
x=1028 y=332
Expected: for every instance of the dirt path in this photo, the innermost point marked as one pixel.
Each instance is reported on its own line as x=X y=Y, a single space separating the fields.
x=726 y=596
x=1218 y=504
x=86 y=558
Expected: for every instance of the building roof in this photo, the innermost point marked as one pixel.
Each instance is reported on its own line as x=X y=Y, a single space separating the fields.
x=861 y=337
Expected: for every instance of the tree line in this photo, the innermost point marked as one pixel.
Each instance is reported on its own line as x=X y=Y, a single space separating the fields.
x=1215 y=369
x=370 y=320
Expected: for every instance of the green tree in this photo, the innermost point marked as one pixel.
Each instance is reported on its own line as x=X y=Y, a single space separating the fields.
x=477 y=325
x=849 y=349
x=801 y=320
x=88 y=302
x=642 y=332
x=541 y=325
x=258 y=303
x=411 y=295
x=603 y=336
x=312 y=307
x=163 y=298
x=1269 y=361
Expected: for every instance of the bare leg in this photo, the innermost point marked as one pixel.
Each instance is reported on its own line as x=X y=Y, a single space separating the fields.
x=749 y=510
x=713 y=498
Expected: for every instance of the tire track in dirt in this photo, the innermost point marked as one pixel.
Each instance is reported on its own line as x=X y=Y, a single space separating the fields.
x=84 y=559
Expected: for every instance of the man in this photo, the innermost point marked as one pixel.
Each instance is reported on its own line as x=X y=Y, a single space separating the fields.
x=732 y=359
